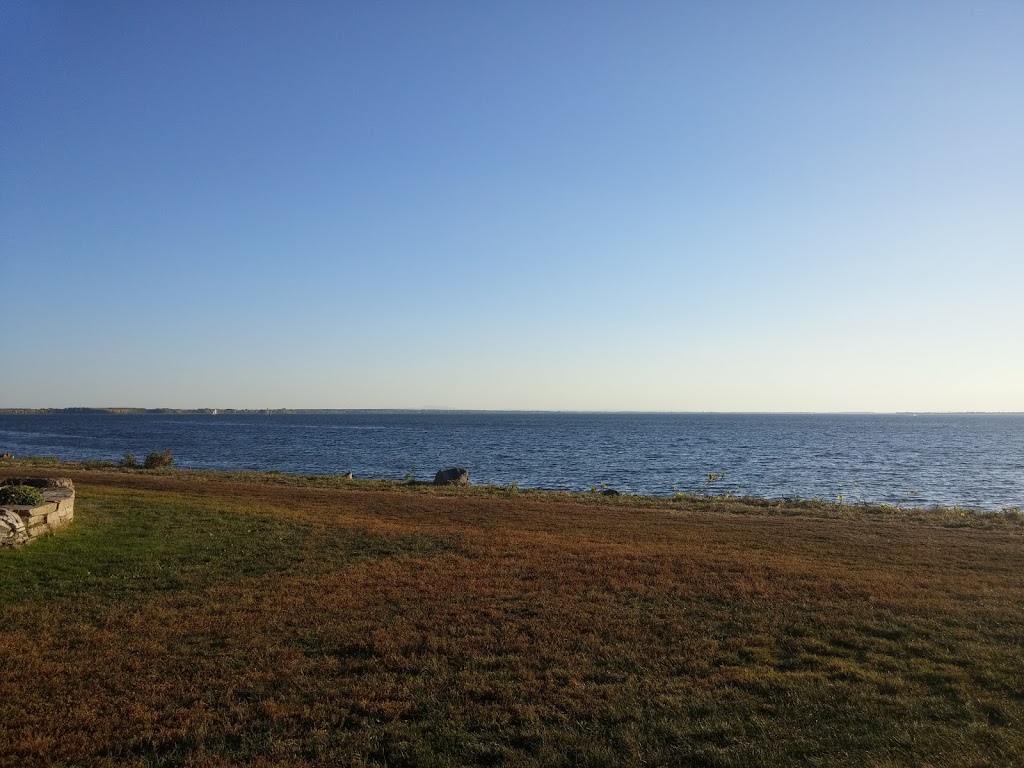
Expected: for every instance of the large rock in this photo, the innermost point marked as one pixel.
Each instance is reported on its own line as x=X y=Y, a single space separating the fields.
x=452 y=476
x=13 y=532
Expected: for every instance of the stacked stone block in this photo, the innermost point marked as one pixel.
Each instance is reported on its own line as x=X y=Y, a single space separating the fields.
x=20 y=524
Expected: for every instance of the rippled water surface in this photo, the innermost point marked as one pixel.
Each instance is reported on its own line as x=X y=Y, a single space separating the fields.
x=973 y=460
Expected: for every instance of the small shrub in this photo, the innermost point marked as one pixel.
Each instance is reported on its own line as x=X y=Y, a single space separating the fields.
x=128 y=461
x=21 y=494
x=158 y=460
x=708 y=488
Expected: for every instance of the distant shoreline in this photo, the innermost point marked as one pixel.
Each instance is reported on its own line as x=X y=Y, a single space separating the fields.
x=143 y=411
x=123 y=411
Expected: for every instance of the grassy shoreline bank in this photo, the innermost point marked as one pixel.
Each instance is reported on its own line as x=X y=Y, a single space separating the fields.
x=198 y=618
x=1009 y=519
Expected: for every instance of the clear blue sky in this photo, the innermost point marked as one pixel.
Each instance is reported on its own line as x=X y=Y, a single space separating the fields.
x=572 y=205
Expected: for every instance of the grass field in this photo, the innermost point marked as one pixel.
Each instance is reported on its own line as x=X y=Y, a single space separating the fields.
x=203 y=619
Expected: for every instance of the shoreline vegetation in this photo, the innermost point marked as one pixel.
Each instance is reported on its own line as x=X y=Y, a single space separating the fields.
x=193 y=617
x=708 y=499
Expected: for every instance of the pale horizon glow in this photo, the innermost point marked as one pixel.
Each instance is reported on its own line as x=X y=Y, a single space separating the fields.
x=789 y=207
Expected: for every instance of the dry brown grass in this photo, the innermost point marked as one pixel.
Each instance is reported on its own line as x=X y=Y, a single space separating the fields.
x=221 y=621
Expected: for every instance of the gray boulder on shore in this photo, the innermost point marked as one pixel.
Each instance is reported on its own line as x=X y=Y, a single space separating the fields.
x=452 y=476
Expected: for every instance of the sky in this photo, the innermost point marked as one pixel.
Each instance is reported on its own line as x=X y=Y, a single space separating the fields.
x=658 y=206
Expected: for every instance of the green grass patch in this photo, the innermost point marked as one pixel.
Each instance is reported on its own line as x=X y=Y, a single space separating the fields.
x=128 y=546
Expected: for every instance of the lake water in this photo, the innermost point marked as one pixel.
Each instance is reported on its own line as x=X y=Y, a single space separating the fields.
x=972 y=460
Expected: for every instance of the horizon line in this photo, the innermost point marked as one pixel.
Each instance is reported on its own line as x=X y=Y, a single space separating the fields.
x=9 y=410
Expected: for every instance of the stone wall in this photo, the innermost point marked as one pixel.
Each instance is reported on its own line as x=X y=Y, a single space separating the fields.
x=20 y=524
